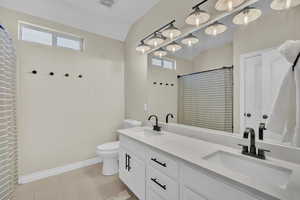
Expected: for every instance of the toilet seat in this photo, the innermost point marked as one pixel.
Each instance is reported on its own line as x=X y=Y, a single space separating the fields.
x=112 y=146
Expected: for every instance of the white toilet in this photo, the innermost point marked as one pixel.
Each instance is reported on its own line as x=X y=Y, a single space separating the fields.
x=109 y=152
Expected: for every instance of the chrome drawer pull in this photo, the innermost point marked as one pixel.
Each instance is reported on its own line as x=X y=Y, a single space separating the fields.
x=160 y=163
x=159 y=184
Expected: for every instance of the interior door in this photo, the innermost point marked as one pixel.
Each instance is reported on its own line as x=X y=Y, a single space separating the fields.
x=263 y=74
x=252 y=90
x=275 y=67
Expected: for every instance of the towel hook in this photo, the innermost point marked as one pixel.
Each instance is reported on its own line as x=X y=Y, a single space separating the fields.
x=296 y=61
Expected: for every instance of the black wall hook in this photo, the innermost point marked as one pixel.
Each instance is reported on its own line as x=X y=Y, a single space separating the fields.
x=34 y=72
x=79 y=76
x=66 y=75
x=51 y=73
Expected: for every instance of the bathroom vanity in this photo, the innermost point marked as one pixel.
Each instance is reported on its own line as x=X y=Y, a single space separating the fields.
x=168 y=166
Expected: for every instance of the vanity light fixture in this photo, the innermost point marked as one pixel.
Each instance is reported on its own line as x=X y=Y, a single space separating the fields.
x=190 y=40
x=160 y=52
x=215 y=29
x=142 y=47
x=171 y=32
x=284 y=4
x=228 y=5
x=155 y=40
x=198 y=16
x=173 y=47
x=247 y=15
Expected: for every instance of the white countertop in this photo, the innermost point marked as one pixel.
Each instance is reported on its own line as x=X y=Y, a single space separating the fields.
x=194 y=150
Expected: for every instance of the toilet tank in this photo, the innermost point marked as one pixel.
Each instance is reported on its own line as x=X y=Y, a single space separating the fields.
x=130 y=123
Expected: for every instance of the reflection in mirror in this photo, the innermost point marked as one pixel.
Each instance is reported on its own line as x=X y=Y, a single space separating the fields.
x=231 y=78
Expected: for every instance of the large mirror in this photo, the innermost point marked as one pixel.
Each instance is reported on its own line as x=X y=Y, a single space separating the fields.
x=229 y=79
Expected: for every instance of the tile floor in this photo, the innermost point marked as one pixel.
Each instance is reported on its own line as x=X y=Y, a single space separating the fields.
x=83 y=184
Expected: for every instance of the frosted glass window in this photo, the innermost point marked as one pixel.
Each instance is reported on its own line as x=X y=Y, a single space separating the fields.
x=32 y=35
x=164 y=63
x=168 y=64
x=69 y=43
x=156 y=62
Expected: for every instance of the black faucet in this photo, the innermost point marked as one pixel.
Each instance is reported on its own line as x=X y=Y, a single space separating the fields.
x=261 y=152
x=251 y=132
x=155 y=127
x=169 y=115
x=261 y=129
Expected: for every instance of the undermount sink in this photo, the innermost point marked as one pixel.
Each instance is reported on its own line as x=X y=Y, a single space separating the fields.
x=259 y=170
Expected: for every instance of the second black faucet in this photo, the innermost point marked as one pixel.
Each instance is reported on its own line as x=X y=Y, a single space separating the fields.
x=155 y=127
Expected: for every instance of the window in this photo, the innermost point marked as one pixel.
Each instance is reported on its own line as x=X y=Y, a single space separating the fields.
x=164 y=63
x=70 y=43
x=32 y=35
x=36 y=34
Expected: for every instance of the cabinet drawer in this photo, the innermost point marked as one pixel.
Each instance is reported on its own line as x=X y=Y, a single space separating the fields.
x=163 y=162
x=133 y=146
x=187 y=194
x=210 y=186
x=151 y=195
x=162 y=185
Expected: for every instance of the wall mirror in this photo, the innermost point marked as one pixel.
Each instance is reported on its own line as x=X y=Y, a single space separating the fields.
x=226 y=75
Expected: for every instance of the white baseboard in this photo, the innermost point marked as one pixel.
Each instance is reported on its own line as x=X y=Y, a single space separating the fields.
x=58 y=170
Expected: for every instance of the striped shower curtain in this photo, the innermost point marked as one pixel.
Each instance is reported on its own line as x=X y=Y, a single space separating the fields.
x=8 y=131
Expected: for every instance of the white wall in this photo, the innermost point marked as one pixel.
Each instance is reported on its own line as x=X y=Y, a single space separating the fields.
x=62 y=120
x=214 y=58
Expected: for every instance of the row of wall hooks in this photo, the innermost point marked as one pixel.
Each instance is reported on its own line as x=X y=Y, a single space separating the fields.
x=166 y=84
x=52 y=74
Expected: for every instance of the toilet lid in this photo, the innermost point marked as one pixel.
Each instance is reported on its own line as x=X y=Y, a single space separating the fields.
x=109 y=146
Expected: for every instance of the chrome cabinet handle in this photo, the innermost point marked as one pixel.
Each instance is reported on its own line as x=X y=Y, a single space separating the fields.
x=159 y=184
x=160 y=163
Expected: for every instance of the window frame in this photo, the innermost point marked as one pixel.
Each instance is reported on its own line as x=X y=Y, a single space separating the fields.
x=55 y=34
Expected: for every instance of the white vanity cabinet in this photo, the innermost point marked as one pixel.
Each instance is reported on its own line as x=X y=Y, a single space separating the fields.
x=155 y=175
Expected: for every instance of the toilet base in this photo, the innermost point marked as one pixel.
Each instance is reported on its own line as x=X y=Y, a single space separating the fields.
x=110 y=166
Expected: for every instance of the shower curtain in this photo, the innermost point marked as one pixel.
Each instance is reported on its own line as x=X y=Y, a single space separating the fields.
x=8 y=131
x=206 y=99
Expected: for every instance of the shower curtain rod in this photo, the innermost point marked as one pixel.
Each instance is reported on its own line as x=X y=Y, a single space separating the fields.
x=225 y=67
x=296 y=61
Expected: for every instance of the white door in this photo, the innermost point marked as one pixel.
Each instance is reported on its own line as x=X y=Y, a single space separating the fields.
x=261 y=77
x=275 y=67
x=252 y=90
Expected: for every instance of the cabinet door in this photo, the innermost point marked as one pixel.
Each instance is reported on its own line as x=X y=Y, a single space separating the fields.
x=212 y=187
x=137 y=172
x=187 y=194
x=123 y=171
x=151 y=195
x=132 y=172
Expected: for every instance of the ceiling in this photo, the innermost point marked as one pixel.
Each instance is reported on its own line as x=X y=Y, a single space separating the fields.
x=89 y=15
